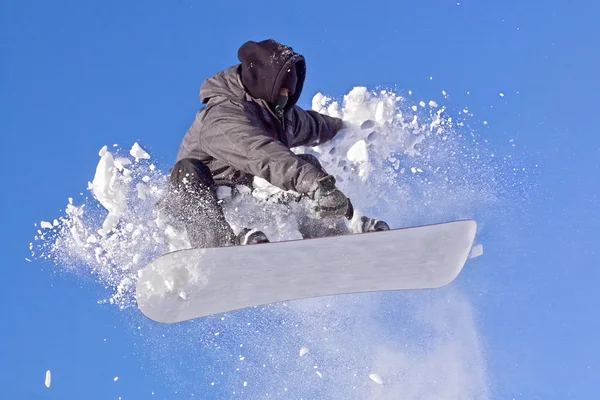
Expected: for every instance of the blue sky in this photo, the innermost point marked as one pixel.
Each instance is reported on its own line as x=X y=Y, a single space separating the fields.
x=75 y=76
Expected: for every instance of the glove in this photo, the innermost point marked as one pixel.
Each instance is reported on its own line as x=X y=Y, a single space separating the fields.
x=328 y=200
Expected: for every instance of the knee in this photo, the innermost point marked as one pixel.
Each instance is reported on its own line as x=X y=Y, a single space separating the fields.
x=191 y=172
x=309 y=158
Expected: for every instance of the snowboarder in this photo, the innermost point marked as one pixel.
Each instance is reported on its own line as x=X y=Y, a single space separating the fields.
x=246 y=128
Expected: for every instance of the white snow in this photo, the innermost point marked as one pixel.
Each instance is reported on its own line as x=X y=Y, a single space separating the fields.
x=109 y=187
x=116 y=378
x=376 y=378
x=138 y=153
x=116 y=239
x=48 y=379
x=45 y=225
x=303 y=351
x=358 y=152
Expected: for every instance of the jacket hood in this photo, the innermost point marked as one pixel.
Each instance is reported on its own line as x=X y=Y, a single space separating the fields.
x=225 y=84
x=267 y=66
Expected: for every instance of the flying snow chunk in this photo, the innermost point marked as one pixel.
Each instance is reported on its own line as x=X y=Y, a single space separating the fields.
x=476 y=251
x=138 y=153
x=45 y=225
x=433 y=104
x=48 y=380
x=358 y=152
x=376 y=378
x=501 y=94
x=303 y=351
x=116 y=378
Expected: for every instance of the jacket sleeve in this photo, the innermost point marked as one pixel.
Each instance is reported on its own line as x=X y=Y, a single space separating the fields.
x=232 y=134
x=312 y=128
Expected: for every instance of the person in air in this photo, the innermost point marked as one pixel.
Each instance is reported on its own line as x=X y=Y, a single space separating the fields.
x=247 y=127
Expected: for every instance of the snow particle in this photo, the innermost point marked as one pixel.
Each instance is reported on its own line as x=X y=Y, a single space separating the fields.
x=116 y=378
x=501 y=94
x=48 y=380
x=376 y=378
x=137 y=152
x=303 y=351
x=45 y=225
x=358 y=152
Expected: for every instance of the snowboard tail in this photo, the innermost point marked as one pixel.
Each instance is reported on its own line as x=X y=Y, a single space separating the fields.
x=193 y=283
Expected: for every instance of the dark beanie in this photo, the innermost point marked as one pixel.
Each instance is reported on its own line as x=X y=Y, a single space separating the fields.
x=268 y=66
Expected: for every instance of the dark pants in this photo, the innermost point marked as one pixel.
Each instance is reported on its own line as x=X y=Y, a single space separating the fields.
x=192 y=200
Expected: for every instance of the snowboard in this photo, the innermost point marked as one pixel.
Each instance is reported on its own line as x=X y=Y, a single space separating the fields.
x=193 y=283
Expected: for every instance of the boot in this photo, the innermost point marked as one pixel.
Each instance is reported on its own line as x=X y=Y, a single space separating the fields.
x=251 y=236
x=373 y=225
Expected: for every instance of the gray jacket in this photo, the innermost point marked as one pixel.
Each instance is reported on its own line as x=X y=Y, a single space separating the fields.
x=238 y=136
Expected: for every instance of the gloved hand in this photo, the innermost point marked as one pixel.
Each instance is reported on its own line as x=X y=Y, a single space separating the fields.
x=328 y=200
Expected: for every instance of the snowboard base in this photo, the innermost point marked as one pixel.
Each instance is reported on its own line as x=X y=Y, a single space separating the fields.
x=193 y=283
